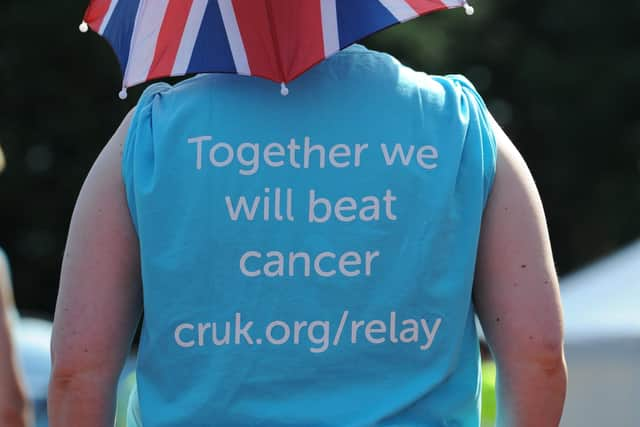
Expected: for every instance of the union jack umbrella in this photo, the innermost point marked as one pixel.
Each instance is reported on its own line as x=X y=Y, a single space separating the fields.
x=273 y=39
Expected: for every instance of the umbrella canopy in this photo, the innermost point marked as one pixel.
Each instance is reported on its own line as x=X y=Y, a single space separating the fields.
x=273 y=39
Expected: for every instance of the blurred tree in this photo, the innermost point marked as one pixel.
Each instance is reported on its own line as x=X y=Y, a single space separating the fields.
x=561 y=77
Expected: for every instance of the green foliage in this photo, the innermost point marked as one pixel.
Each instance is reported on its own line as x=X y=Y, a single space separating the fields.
x=124 y=391
x=561 y=77
x=488 y=394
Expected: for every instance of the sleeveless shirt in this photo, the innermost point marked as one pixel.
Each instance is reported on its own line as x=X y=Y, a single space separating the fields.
x=308 y=260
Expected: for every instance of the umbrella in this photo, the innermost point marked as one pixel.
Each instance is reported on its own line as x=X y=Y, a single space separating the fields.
x=273 y=39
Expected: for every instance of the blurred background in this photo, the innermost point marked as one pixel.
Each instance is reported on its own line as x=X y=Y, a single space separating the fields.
x=562 y=78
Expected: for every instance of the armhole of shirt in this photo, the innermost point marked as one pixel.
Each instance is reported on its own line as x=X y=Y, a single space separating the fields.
x=479 y=126
x=139 y=133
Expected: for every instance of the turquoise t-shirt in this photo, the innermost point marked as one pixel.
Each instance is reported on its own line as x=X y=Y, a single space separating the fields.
x=308 y=260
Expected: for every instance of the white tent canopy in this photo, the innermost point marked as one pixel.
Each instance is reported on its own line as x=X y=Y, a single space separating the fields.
x=602 y=333
x=603 y=299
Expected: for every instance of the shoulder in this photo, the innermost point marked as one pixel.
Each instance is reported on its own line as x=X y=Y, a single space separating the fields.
x=439 y=90
x=4 y=268
x=163 y=92
x=107 y=166
x=514 y=207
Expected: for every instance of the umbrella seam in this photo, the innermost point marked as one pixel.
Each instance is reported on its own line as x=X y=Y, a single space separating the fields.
x=275 y=41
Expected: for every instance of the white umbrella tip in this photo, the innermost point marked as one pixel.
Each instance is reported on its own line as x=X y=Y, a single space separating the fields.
x=83 y=27
x=284 y=90
x=468 y=9
x=123 y=94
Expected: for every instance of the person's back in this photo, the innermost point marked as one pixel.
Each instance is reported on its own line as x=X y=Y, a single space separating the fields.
x=308 y=260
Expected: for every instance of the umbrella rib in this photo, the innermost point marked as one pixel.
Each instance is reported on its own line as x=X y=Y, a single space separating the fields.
x=274 y=40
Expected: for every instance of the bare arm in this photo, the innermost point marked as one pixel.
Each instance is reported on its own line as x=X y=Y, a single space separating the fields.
x=99 y=302
x=15 y=410
x=517 y=297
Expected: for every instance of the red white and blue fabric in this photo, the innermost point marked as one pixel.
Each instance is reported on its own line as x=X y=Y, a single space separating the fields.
x=274 y=39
